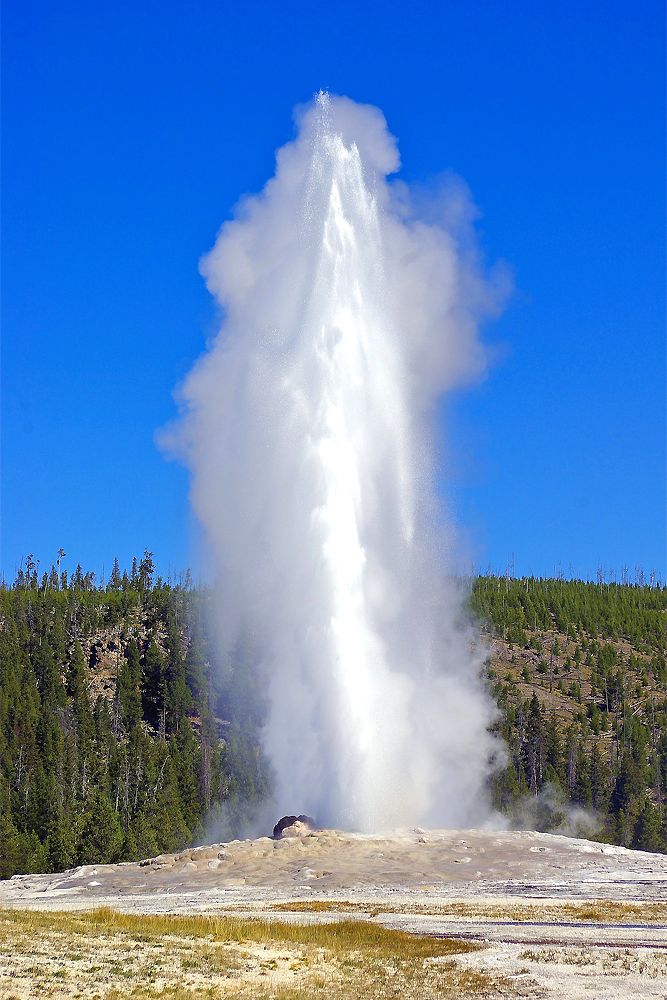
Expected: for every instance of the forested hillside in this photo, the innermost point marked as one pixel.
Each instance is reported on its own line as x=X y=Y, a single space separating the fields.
x=117 y=739
x=580 y=679
x=123 y=734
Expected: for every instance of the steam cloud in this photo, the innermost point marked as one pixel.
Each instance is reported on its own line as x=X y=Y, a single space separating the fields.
x=307 y=427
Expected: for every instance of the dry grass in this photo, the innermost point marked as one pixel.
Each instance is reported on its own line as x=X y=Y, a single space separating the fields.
x=594 y=911
x=647 y=962
x=106 y=955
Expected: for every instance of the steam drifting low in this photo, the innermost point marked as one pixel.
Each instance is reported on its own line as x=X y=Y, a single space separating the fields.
x=307 y=427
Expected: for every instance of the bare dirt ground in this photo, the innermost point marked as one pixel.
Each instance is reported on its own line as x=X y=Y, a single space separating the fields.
x=554 y=916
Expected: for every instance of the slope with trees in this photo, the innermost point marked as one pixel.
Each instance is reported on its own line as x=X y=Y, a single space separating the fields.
x=120 y=739
x=579 y=673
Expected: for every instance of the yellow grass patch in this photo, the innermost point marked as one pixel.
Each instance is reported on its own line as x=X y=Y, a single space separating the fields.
x=593 y=911
x=106 y=955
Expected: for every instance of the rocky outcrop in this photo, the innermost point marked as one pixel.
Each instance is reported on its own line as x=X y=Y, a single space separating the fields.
x=294 y=826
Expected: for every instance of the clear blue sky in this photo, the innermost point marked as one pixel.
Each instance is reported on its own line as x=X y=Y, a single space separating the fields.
x=130 y=130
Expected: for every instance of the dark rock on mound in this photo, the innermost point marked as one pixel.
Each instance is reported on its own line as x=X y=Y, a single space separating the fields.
x=290 y=821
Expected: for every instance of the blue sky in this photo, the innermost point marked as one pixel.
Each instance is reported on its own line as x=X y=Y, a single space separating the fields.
x=129 y=132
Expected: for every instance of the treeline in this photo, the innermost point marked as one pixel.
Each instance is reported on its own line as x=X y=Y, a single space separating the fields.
x=128 y=750
x=516 y=607
x=582 y=692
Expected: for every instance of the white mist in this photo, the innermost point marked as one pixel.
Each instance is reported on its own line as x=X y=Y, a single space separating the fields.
x=307 y=427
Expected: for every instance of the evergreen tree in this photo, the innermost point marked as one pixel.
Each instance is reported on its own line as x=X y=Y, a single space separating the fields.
x=12 y=848
x=61 y=844
x=599 y=777
x=648 y=832
x=115 y=578
x=129 y=687
x=145 y=572
x=102 y=835
x=154 y=687
x=178 y=697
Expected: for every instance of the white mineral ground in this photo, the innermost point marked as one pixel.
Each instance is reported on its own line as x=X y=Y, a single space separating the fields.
x=408 y=880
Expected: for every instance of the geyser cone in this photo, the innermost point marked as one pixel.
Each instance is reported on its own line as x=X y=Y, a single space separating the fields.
x=307 y=433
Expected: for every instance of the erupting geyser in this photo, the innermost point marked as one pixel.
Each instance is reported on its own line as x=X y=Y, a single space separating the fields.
x=307 y=428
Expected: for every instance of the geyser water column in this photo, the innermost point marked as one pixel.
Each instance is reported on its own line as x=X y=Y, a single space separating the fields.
x=353 y=406
x=307 y=428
